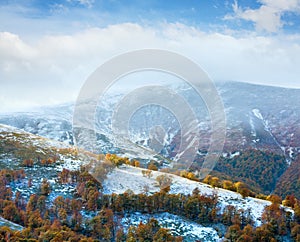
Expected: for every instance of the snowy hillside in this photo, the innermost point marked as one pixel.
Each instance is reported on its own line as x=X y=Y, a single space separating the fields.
x=119 y=180
x=254 y=120
x=131 y=178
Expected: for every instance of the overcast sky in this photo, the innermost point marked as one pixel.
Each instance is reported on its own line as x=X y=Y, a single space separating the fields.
x=49 y=48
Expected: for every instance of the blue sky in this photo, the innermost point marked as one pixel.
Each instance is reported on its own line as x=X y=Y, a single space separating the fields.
x=49 y=44
x=205 y=14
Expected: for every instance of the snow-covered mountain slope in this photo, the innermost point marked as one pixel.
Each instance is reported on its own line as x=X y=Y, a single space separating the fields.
x=131 y=178
x=124 y=177
x=14 y=139
x=118 y=181
x=261 y=117
x=17 y=145
x=51 y=122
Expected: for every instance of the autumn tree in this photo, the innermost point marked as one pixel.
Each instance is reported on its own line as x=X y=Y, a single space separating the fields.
x=28 y=163
x=242 y=189
x=215 y=182
x=147 y=173
x=233 y=233
x=228 y=185
x=120 y=236
x=164 y=182
x=295 y=232
x=274 y=199
x=45 y=188
x=153 y=165
x=289 y=201
x=11 y=212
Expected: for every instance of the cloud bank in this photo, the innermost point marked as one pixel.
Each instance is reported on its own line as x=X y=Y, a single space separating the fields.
x=52 y=69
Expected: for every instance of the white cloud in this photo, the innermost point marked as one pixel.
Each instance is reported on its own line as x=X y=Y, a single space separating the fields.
x=53 y=68
x=268 y=17
x=87 y=3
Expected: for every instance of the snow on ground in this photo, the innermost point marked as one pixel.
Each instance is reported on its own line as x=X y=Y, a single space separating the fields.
x=28 y=139
x=128 y=177
x=37 y=173
x=190 y=231
x=68 y=163
x=13 y=226
x=257 y=113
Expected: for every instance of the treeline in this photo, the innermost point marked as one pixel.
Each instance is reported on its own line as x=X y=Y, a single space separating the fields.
x=102 y=231
x=203 y=209
x=62 y=220
x=107 y=162
x=277 y=224
x=41 y=162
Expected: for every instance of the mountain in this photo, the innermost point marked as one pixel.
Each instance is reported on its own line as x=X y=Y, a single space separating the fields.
x=260 y=117
x=51 y=122
x=267 y=117
x=121 y=180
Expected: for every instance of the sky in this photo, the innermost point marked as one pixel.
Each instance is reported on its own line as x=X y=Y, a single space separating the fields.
x=49 y=48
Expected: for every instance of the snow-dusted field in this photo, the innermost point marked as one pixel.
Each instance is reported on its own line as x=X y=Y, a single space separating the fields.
x=27 y=139
x=128 y=177
x=178 y=226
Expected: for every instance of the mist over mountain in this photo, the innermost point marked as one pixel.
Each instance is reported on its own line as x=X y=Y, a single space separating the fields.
x=260 y=117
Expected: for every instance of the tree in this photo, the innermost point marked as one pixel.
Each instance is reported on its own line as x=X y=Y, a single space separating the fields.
x=103 y=225
x=147 y=173
x=136 y=163
x=153 y=165
x=45 y=187
x=41 y=203
x=131 y=234
x=207 y=179
x=196 y=191
x=10 y=212
x=164 y=182
x=289 y=201
x=62 y=215
x=28 y=163
x=92 y=199
x=263 y=233
x=32 y=203
x=35 y=220
x=163 y=235
x=242 y=189
x=143 y=232
x=215 y=182
x=76 y=221
x=19 y=202
x=295 y=232
x=228 y=185
x=274 y=199
x=233 y=233
x=120 y=236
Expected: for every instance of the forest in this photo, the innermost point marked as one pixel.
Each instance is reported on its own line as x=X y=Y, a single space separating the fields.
x=63 y=218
